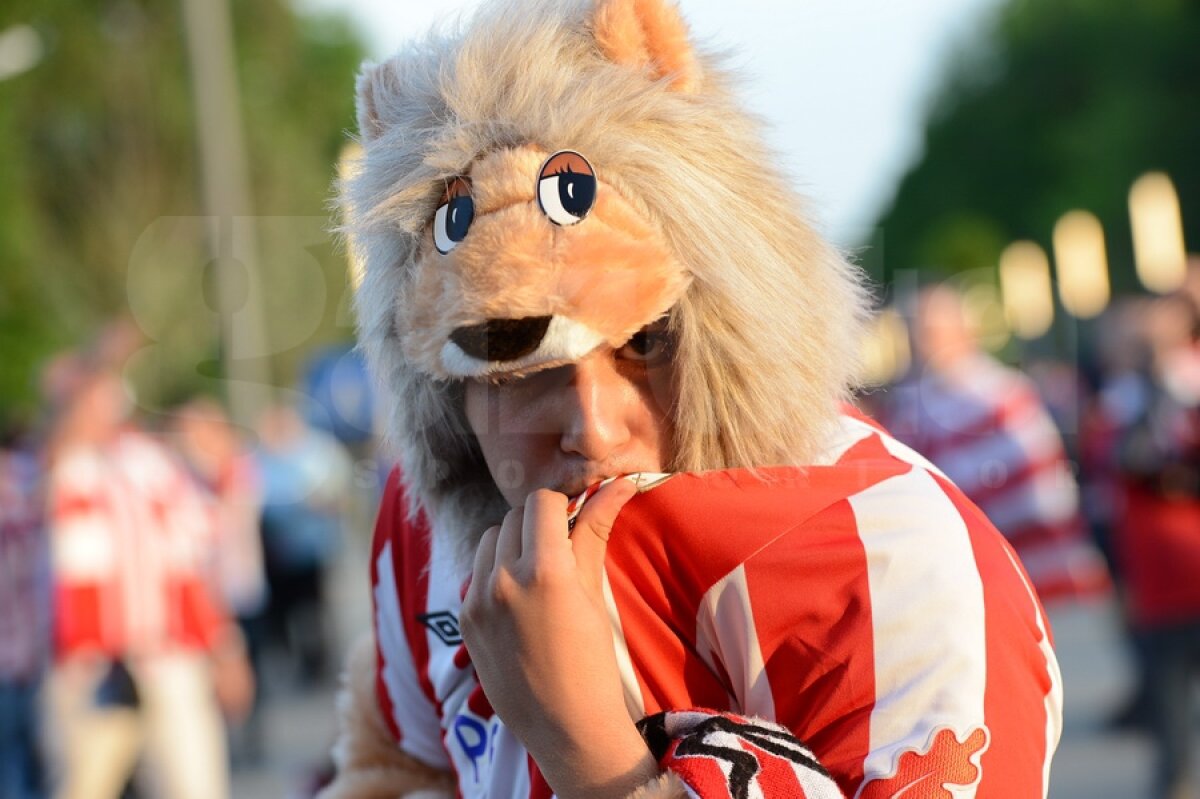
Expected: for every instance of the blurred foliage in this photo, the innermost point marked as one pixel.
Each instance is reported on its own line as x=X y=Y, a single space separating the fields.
x=100 y=149
x=1061 y=104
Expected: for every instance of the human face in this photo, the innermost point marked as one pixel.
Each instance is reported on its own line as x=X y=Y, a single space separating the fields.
x=568 y=427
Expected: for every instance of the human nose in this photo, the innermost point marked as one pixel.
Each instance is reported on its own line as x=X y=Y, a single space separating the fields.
x=596 y=426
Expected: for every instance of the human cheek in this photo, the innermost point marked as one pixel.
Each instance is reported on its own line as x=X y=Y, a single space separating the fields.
x=505 y=420
x=526 y=447
x=651 y=419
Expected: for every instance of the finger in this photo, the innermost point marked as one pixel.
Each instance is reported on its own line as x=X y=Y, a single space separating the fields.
x=508 y=542
x=594 y=525
x=545 y=524
x=485 y=560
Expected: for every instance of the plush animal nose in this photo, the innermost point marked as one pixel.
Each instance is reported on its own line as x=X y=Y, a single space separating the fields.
x=502 y=339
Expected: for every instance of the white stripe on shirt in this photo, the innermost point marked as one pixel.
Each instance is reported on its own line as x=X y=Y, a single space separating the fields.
x=923 y=680
x=725 y=625
x=412 y=712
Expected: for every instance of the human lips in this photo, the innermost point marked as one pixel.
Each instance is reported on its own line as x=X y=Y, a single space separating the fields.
x=577 y=478
x=576 y=486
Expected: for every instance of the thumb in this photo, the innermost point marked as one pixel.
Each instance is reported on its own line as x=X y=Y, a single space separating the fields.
x=589 y=540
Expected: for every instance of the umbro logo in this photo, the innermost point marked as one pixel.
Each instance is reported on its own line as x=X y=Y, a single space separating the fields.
x=444 y=625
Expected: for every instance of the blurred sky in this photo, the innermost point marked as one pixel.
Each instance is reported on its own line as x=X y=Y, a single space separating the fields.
x=844 y=83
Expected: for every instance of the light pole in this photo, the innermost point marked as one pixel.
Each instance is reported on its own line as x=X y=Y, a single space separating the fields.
x=233 y=241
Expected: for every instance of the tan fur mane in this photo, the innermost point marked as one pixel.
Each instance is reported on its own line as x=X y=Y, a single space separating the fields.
x=767 y=334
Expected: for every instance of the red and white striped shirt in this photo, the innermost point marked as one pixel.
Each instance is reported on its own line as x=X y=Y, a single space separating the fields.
x=862 y=602
x=132 y=538
x=987 y=428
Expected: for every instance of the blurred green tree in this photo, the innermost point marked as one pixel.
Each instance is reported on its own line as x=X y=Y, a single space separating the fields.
x=1061 y=104
x=101 y=161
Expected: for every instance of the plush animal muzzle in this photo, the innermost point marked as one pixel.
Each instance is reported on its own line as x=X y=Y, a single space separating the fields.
x=532 y=260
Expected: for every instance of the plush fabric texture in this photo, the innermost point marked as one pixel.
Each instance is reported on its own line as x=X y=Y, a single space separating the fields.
x=666 y=786
x=648 y=35
x=369 y=764
x=692 y=217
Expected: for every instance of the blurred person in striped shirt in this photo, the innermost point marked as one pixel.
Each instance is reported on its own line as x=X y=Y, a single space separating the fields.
x=146 y=653
x=637 y=545
x=986 y=427
x=25 y=616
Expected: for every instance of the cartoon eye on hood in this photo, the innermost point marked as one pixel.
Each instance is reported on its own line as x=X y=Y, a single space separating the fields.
x=454 y=215
x=566 y=188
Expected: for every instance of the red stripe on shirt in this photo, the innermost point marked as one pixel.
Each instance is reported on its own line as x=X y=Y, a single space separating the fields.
x=538 y=787
x=1012 y=406
x=821 y=665
x=385 y=523
x=1048 y=466
x=68 y=503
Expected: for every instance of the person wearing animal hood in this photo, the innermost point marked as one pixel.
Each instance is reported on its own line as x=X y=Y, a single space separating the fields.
x=582 y=264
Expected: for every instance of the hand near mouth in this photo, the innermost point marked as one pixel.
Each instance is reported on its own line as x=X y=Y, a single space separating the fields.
x=536 y=626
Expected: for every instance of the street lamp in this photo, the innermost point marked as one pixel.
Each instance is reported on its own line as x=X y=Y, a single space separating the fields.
x=1082 y=262
x=1158 y=247
x=1025 y=288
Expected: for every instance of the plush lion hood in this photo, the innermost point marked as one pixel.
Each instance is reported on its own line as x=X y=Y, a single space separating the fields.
x=554 y=176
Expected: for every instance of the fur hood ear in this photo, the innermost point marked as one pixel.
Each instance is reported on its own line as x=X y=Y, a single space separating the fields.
x=648 y=35
x=370 y=125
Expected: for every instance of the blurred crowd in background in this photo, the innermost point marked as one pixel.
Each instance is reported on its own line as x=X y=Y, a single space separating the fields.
x=187 y=448
x=163 y=576
x=1090 y=467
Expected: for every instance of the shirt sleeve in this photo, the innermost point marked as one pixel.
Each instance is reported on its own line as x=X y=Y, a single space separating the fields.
x=897 y=635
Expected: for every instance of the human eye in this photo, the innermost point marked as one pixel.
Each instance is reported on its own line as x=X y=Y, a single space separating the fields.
x=651 y=345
